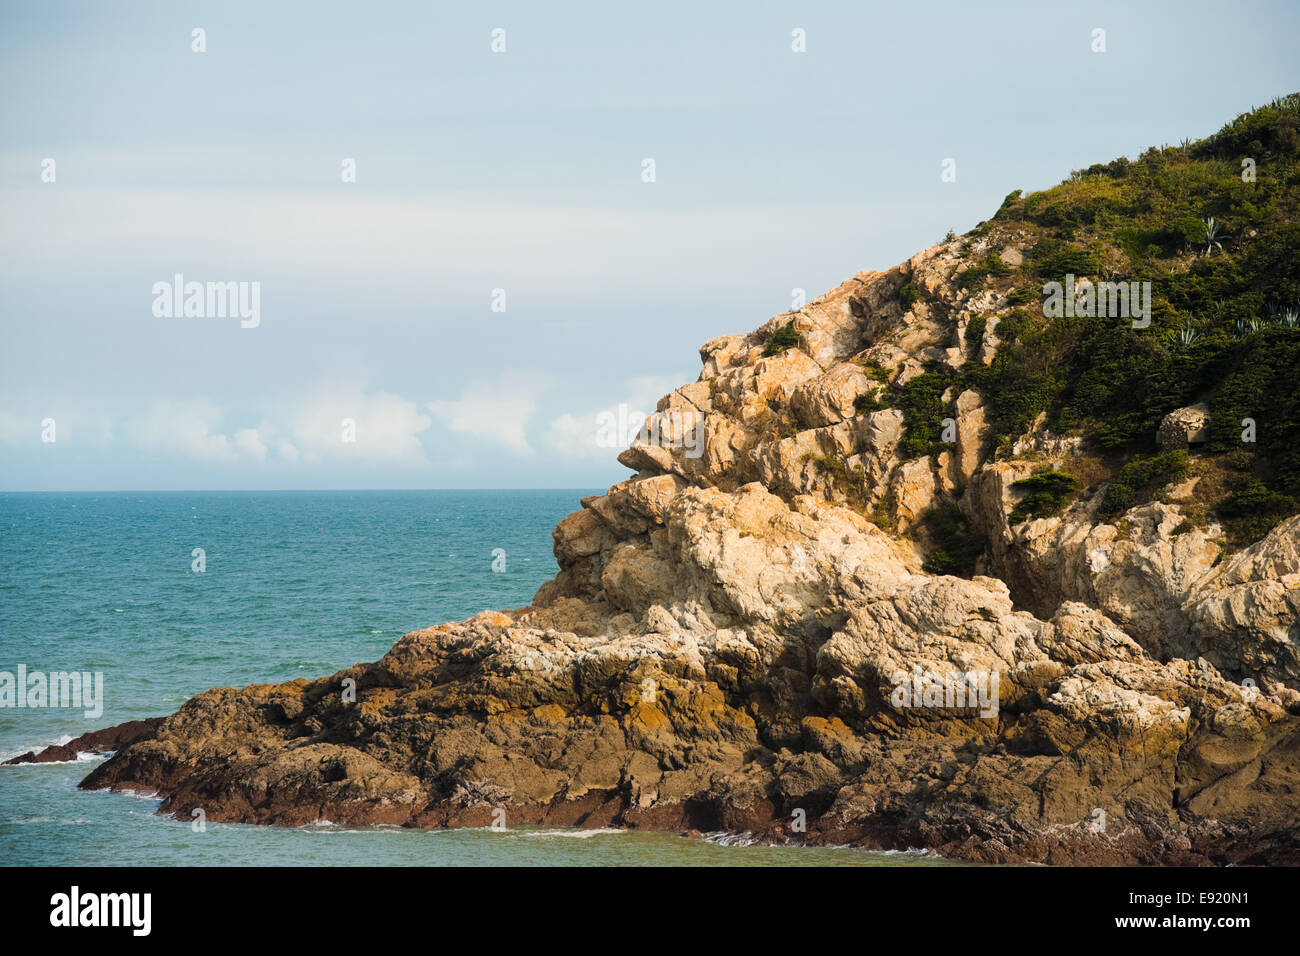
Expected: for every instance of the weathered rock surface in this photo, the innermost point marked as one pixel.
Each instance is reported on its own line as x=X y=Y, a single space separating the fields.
x=726 y=639
x=1183 y=427
x=103 y=741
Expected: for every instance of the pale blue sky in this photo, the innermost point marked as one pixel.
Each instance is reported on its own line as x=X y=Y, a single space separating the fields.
x=520 y=171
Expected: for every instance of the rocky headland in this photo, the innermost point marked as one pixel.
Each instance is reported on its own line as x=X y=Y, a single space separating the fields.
x=747 y=638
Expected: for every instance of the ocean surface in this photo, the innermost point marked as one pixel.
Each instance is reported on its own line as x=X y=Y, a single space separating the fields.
x=294 y=584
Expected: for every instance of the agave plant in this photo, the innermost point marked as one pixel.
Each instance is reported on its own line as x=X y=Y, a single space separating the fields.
x=1184 y=337
x=1289 y=317
x=1211 y=236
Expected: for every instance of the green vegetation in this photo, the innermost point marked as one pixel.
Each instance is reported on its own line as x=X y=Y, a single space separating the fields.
x=1139 y=479
x=783 y=338
x=955 y=547
x=921 y=402
x=975 y=334
x=1009 y=206
x=850 y=479
x=1054 y=259
x=873 y=370
x=909 y=295
x=1222 y=254
x=1047 y=492
x=1259 y=382
x=873 y=400
x=974 y=277
x=1252 y=510
x=866 y=403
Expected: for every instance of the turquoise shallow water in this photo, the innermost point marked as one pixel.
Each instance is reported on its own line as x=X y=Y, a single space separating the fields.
x=297 y=584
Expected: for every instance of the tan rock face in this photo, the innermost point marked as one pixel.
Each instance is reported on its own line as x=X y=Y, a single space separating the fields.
x=828 y=399
x=734 y=636
x=972 y=436
x=912 y=489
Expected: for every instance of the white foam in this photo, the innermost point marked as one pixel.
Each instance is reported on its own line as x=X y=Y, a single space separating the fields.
x=572 y=833
x=139 y=794
x=62 y=741
x=74 y=822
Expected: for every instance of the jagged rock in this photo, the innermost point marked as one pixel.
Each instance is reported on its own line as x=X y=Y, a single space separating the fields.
x=828 y=399
x=972 y=433
x=1244 y=616
x=912 y=489
x=1183 y=426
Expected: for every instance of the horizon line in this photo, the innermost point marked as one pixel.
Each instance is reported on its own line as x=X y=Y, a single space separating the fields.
x=255 y=491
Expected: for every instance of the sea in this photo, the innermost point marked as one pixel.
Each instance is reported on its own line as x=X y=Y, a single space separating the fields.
x=167 y=594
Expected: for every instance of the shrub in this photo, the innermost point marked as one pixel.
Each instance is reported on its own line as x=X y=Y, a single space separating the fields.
x=955 y=546
x=1007 y=209
x=1256 y=379
x=921 y=402
x=1046 y=493
x=1266 y=131
x=1253 y=510
x=850 y=479
x=991 y=265
x=873 y=370
x=908 y=295
x=971 y=279
x=867 y=403
x=975 y=334
x=1053 y=259
x=994 y=265
x=782 y=339
x=1026 y=376
x=1139 y=479
x=1012 y=324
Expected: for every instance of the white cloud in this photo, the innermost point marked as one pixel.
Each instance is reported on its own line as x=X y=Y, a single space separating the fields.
x=186 y=428
x=545 y=252
x=386 y=427
x=249 y=443
x=495 y=411
x=580 y=436
x=309 y=429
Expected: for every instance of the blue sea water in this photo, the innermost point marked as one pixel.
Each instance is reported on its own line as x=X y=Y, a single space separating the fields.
x=295 y=584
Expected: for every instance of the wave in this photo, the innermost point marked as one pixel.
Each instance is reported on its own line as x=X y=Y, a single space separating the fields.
x=37 y=820
x=61 y=741
x=747 y=838
x=572 y=833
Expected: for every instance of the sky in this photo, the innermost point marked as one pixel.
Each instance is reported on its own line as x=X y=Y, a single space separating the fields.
x=502 y=268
